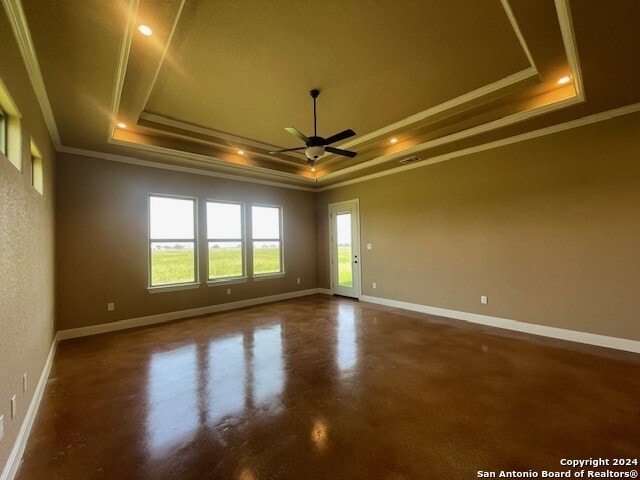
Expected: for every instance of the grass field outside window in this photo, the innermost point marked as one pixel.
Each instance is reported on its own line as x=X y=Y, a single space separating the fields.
x=171 y=265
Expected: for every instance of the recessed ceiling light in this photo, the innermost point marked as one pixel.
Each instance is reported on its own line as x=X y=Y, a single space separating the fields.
x=122 y=125
x=564 y=80
x=393 y=140
x=145 y=30
x=313 y=169
x=240 y=152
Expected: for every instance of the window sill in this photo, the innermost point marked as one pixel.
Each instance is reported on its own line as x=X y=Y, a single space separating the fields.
x=173 y=288
x=226 y=281
x=267 y=276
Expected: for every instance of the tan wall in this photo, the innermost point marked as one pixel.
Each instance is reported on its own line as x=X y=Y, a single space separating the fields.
x=103 y=240
x=26 y=256
x=549 y=229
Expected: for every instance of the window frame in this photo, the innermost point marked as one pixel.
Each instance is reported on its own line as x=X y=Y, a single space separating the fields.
x=4 y=132
x=11 y=129
x=37 y=168
x=281 y=273
x=196 y=274
x=243 y=243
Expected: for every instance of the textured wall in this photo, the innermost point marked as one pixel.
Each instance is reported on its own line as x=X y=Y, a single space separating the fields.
x=102 y=240
x=26 y=253
x=549 y=229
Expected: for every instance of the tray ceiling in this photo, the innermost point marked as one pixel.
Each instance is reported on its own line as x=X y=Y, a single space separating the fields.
x=219 y=77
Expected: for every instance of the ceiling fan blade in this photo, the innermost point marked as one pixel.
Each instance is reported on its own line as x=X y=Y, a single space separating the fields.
x=297 y=133
x=287 y=150
x=339 y=151
x=340 y=136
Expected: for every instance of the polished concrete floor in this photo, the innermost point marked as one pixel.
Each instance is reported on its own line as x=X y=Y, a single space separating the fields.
x=328 y=388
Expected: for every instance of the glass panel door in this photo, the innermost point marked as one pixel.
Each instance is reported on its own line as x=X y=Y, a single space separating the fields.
x=345 y=248
x=343 y=236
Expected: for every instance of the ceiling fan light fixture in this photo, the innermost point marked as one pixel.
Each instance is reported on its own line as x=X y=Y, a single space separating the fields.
x=314 y=153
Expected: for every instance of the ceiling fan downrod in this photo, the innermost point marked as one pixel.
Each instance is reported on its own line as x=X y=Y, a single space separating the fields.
x=314 y=94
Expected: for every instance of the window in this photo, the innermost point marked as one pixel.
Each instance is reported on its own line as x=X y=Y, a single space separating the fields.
x=37 y=172
x=3 y=131
x=225 y=240
x=172 y=241
x=266 y=232
x=10 y=129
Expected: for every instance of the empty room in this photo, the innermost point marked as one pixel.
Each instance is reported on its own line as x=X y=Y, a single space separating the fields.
x=343 y=240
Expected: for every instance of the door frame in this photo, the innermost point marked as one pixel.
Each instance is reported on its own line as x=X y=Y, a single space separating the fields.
x=355 y=242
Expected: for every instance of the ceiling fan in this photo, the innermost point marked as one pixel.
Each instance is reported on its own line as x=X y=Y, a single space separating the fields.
x=317 y=146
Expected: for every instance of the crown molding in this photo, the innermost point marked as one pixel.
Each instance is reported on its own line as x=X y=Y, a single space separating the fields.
x=170 y=122
x=209 y=160
x=22 y=34
x=483 y=128
x=580 y=122
x=518 y=32
x=476 y=94
x=571 y=49
x=165 y=49
x=123 y=61
x=179 y=168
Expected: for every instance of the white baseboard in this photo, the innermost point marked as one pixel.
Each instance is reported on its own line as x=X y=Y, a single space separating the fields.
x=541 y=330
x=325 y=291
x=13 y=463
x=169 y=316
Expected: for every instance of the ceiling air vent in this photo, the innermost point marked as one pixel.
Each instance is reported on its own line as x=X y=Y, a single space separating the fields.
x=412 y=159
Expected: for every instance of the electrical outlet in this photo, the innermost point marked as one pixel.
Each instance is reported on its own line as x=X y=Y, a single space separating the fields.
x=483 y=299
x=298 y=281
x=14 y=407
x=375 y=285
x=1 y=427
x=24 y=383
x=228 y=291
x=111 y=306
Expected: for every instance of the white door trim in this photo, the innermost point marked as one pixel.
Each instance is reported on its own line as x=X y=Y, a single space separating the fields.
x=353 y=204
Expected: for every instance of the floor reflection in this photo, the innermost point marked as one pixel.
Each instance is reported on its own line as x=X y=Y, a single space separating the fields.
x=198 y=387
x=173 y=407
x=268 y=366
x=320 y=435
x=226 y=380
x=347 y=346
